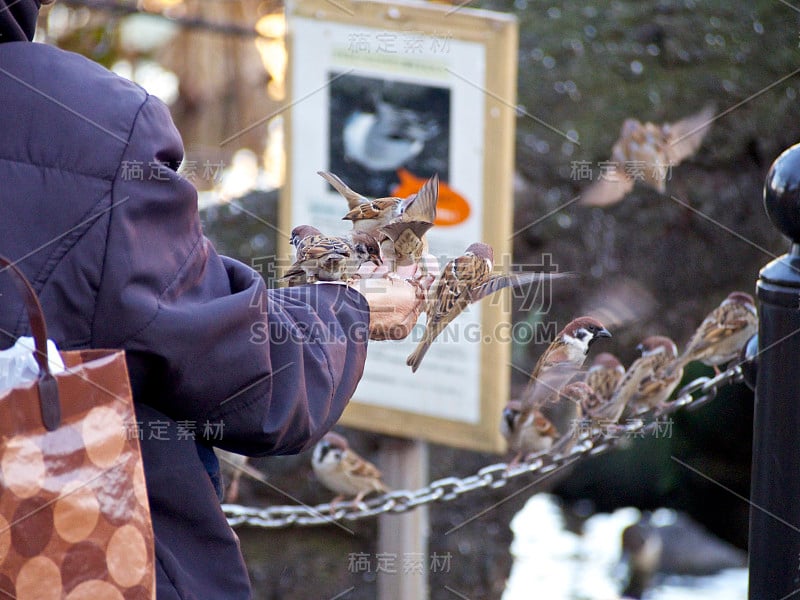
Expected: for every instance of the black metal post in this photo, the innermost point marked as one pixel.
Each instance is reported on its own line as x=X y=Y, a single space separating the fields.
x=775 y=486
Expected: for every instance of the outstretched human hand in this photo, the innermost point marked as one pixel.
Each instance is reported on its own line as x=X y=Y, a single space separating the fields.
x=395 y=298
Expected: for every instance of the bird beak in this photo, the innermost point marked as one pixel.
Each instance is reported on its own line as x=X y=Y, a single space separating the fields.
x=603 y=333
x=376 y=258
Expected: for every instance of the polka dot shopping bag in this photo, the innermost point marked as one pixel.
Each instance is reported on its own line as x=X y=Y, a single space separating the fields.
x=74 y=517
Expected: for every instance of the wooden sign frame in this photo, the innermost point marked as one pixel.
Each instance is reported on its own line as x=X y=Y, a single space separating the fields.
x=490 y=39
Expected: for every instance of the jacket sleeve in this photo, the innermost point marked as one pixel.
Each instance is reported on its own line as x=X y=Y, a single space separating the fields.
x=257 y=371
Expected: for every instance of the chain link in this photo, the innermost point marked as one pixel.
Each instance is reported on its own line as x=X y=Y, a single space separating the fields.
x=592 y=442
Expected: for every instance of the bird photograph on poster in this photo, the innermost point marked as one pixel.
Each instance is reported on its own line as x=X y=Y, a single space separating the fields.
x=385 y=134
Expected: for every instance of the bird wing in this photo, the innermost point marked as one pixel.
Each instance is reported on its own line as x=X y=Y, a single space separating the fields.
x=321 y=247
x=422 y=205
x=543 y=388
x=684 y=137
x=353 y=198
x=609 y=189
x=496 y=283
x=356 y=466
x=394 y=230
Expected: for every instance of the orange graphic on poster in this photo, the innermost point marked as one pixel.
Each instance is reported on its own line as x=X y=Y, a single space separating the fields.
x=451 y=209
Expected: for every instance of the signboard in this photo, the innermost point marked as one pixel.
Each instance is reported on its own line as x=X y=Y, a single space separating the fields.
x=384 y=95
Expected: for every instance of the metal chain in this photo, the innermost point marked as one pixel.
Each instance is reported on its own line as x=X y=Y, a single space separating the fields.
x=591 y=441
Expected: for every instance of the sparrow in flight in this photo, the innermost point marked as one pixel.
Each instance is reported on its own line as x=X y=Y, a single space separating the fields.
x=646 y=153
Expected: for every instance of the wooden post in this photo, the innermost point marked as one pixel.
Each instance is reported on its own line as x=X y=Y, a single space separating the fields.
x=402 y=559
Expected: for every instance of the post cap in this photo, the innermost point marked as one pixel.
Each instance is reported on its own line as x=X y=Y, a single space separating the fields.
x=782 y=193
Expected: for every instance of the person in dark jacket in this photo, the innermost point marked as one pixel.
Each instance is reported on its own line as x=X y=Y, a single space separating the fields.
x=121 y=262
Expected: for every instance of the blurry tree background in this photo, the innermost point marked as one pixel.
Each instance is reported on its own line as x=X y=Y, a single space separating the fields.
x=660 y=262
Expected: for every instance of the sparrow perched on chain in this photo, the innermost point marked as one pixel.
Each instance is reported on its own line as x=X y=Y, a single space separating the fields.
x=321 y=257
x=526 y=430
x=568 y=351
x=603 y=378
x=722 y=334
x=540 y=418
x=551 y=426
x=463 y=281
x=646 y=153
x=343 y=471
x=652 y=378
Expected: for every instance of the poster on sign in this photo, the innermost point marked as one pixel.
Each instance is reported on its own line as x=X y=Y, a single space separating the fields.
x=385 y=95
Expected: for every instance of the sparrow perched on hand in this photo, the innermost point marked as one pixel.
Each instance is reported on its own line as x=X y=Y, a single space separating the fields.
x=399 y=224
x=652 y=378
x=403 y=239
x=646 y=152
x=300 y=233
x=343 y=471
x=403 y=242
x=463 y=281
x=723 y=333
x=328 y=258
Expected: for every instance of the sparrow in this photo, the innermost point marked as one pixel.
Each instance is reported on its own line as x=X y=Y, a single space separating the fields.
x=526 y=431
x=551 y=427
x=403 y=242
x=463 y=281
x=300 y=233
x=343 y=471
x=603 y=378
x=652 y=378
x=372 y=215
x=403 y=239
x=387 y=138
x=321 y=257
x=565 y=355
x=646 y=152
x=722 y=334
x=529 y=425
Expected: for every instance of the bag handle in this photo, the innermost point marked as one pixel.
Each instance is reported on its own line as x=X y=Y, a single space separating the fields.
x=46 y=383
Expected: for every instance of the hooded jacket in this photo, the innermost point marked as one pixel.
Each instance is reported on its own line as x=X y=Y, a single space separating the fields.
x=93 y=211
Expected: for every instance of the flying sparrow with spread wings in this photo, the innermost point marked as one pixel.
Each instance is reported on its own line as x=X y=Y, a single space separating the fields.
x=722 y=334
x=646 y=153
x=463 y=281
x=328 y=258
x=343 y=471
x=399 y=224
x=652 y=378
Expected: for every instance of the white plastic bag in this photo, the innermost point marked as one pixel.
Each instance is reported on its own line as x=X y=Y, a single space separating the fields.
x=18 y=365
